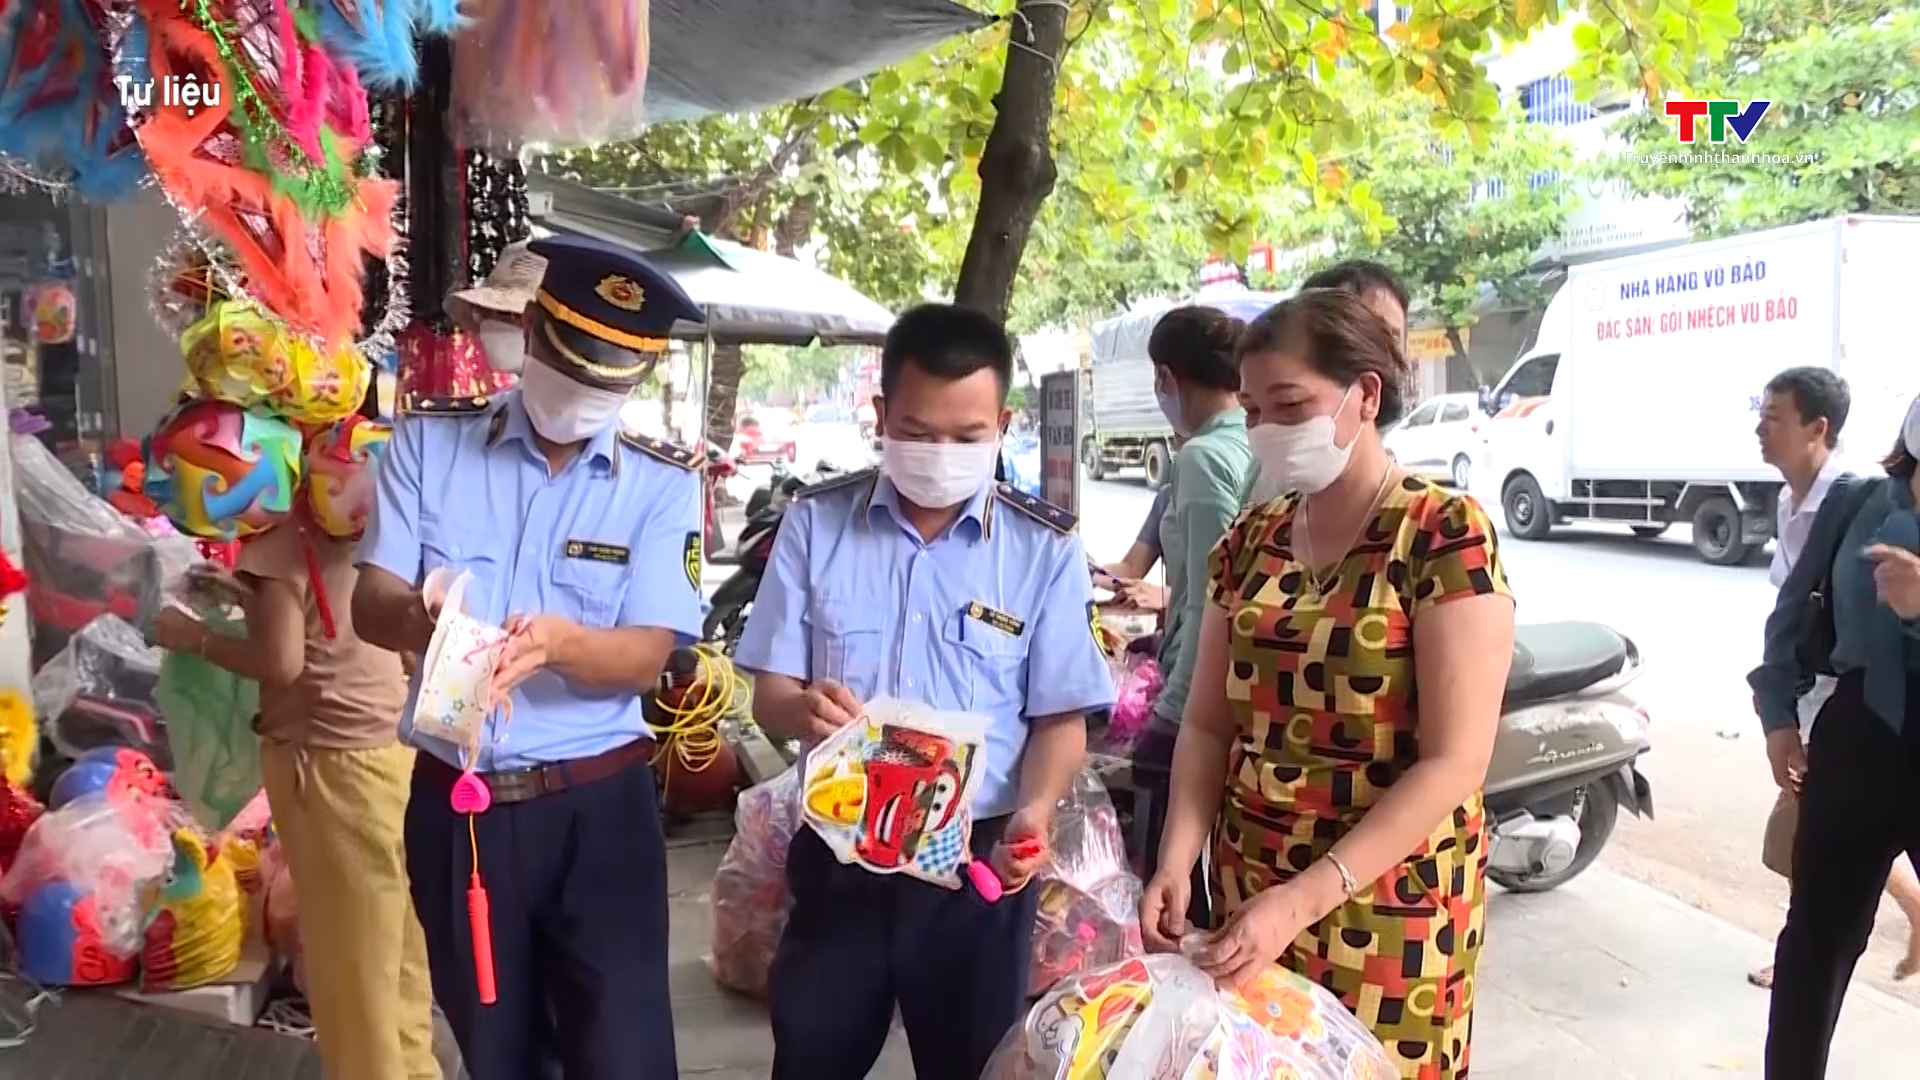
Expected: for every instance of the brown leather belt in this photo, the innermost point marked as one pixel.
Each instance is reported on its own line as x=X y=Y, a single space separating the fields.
x=520 y=785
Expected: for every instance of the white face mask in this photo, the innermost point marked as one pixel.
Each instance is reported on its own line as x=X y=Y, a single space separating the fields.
x=938 y=475
x=505 y=345
x=1302 y=457
x=564 y=411
x=1910 y=431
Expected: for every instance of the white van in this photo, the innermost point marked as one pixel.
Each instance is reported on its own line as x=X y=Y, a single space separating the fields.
x=1637 y=405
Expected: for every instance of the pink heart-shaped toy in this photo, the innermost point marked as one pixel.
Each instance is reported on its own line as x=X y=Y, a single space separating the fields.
x=471 y=795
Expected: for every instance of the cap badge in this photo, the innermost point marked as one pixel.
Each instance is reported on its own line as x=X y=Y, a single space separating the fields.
x=621 y=293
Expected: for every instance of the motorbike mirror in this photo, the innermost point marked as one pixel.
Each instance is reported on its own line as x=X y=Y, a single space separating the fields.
x=1487 y=403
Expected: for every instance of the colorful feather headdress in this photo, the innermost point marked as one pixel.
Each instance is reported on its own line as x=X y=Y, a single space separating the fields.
x=266 y=152
x=59 y=108
x=377 y=36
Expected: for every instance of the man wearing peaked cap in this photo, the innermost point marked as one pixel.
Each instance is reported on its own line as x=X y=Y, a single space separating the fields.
x=583 y=541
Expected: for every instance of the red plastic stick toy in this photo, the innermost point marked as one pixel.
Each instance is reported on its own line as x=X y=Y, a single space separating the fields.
x=481 y=922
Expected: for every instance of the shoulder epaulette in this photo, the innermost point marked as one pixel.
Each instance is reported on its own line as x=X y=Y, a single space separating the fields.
x=1039 y=510
x=680 y=457
x=835 y=483
x=445 y=406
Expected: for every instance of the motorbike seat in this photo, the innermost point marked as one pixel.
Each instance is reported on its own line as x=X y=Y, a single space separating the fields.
x=1556 y=659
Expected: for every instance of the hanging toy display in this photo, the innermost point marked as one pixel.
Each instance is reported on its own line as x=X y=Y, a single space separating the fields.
x=222 y=472
x=59 y=108
x=561 y=75
x=265 y=154
x=340 y=469
x=377 y=38
x=445 y=364
x=236 y=354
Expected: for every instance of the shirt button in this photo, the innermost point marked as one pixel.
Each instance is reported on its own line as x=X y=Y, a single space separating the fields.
x=916 y=616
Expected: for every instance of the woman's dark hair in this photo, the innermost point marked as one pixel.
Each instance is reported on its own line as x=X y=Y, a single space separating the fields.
x=1340 y=337
x=1901 y=463
x=1196 y=345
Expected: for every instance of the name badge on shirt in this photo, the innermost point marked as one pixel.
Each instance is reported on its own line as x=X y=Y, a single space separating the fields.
x=592 y=552
x=999 y=620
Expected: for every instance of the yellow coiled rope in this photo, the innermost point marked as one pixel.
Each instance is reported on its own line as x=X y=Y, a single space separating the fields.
x=693 y=737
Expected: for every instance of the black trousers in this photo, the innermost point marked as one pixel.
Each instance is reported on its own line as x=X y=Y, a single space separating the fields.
x=577 y=884
x=858 y=943
x=1153 y=782
x=1859 y=811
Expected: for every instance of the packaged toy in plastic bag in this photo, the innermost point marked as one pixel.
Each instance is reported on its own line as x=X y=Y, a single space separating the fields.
x=210 y=711
x=1137 y=681
x=1161 y=1018
x=893 y=793
x=78 y=882
x=101 y=690
x=282 y=913
x=557 y=75
x=750 y=898
x=1089 y=902
x=195 y=921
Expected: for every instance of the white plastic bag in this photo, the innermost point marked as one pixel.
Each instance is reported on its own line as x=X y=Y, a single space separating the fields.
x=750 y=897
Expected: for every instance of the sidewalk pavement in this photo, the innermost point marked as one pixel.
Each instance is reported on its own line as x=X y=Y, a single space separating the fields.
x=1603 y=979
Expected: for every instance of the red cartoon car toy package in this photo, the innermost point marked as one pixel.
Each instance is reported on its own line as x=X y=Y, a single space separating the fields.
x=892 y=793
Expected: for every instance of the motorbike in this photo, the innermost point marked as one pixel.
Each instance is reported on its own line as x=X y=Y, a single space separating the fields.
x=731 y=603
x=1565 y=761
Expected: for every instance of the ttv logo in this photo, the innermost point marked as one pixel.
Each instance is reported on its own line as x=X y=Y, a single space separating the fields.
x=1720 y=116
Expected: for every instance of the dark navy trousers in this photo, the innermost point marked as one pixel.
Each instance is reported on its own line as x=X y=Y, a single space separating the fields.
x=858 y=943
x=577 y=884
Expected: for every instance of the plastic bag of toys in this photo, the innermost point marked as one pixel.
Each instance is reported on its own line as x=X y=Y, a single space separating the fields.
x=1161 y=1018
x=750 y=898
x=1089 y=900
x=1137 y=681
x=195 y=921
x=78 y=884
x=83 y=558
x=558 y=75
x=892 y=794
x=102 y=690
x=210 y=712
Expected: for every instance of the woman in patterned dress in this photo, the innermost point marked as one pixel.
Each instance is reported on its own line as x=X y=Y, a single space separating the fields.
x=1351 y=842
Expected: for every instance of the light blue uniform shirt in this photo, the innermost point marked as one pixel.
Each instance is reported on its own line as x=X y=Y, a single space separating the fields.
x=995 y=617
x=611 y=541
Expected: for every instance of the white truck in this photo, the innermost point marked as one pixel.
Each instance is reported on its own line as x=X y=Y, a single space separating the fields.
x=1637 y=404
x=1124 y=426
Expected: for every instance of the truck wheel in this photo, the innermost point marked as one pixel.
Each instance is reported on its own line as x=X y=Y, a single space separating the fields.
x=1716 y=532
x=1529 y=515
x=1155 y=462
x=1090 y=457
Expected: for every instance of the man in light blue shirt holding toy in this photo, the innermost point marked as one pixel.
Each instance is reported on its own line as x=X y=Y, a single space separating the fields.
x=925 y=581
x=584 y=541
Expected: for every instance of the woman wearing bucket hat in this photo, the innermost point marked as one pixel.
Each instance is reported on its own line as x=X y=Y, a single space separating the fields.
x=495 y=311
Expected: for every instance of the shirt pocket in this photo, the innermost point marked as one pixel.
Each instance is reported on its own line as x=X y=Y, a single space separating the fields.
x=451 y=546
x=589 y=591
x=844 y=638
x=983 y=667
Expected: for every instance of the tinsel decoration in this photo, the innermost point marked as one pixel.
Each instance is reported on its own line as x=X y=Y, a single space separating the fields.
x=19 y=178
x=382 y=320
x=187 y=280
x=497 y=213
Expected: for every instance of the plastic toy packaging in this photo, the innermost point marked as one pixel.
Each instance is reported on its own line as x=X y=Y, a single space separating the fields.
x=893 y=793
x=750 y=898
x=79 y=882
x=1089 y=900
x=1137 y=681
x=102 y=690
x=195 y=922
x=83 y=558
x=556 y=74
x=1161 y=1018
x=210 y=711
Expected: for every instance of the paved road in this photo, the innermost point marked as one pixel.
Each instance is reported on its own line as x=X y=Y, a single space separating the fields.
x=1699 y=627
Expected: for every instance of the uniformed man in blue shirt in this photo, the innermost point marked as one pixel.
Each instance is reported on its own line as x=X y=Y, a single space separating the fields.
x=585 y=541
x=925 y=581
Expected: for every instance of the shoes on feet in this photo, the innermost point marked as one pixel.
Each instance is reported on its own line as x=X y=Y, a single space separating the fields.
x=1762 y=978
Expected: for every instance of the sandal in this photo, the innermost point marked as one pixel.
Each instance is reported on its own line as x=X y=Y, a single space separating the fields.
x=1762 y=978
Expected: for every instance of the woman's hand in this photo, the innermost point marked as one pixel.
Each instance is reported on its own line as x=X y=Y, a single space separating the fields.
x=1257 y=935
x=1163 y=910
x=1143 y=596
x=176 y=631
x=1896 y=577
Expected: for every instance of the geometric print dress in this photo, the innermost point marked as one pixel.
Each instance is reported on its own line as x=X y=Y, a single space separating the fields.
x=1322 y=692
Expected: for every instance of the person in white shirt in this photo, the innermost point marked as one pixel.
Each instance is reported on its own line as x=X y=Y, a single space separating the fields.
x=1801 y=415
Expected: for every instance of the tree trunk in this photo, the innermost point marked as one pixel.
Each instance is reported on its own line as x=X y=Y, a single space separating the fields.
x=1459 y=372
x=1016 y=168
x=729 y=364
